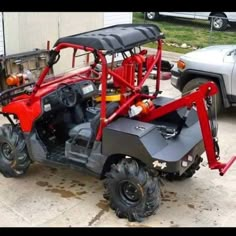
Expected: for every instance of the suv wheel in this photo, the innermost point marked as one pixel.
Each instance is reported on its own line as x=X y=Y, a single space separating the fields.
x=133 y=193
x=151 y=15
x=14 y=159
x=219 y=22
x=196 y=82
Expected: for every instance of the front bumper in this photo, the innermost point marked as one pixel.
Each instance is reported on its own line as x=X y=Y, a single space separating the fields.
x=175 y=77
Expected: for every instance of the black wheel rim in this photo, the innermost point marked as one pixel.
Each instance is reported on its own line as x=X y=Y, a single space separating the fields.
x=130 y=193
x=6 y=151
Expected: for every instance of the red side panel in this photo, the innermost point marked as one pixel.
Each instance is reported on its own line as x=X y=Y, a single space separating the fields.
x=25 y=113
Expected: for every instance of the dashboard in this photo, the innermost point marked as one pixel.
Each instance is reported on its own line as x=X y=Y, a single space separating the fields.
x=83 y=90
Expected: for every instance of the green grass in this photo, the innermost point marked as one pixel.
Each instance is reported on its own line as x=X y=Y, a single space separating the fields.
x=192 y=32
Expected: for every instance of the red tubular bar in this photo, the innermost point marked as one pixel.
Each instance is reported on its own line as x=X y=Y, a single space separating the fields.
x=187 y=101
x=227 y=165
x=121 y=80
x=159 y=65
x=47 y=69
x=103 y=95
x=156 y=61
x=37 y=85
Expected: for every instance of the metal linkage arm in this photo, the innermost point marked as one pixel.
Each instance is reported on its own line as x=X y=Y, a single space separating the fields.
x=197 y=99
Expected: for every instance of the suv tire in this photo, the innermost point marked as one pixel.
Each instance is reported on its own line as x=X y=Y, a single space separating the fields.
x=151 y=15
x=219 y=22
x=196 y=82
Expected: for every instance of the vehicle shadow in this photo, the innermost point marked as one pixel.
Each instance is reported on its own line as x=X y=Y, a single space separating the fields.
x=228 y=115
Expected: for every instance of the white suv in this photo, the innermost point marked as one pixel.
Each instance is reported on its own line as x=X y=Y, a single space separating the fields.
x=215 y=63
x=219 y=20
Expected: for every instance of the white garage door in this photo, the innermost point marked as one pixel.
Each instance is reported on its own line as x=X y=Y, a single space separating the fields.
x=1 y=36
x=113 y=18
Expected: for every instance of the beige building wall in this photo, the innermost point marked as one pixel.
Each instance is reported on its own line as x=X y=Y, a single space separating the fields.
x=25 y=31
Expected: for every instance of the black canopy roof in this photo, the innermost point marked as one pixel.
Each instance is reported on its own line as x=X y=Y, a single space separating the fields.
x=115 y=38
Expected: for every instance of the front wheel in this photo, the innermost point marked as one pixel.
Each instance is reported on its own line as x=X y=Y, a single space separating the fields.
x=133 y=193
x=196 y=82
x=14 y=159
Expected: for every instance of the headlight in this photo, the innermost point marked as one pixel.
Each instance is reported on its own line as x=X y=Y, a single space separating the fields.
x=180 y=65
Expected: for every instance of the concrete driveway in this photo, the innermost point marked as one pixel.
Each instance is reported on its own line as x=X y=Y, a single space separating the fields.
x=61 y=197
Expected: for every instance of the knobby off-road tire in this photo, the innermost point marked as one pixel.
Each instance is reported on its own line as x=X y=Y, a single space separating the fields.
x=132 y=192
x=14 y=159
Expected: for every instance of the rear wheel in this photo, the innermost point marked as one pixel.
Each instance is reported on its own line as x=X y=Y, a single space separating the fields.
x=151 y=15
x=14 y=159
x=219 y=22
x=196 y=82
x=133 y=193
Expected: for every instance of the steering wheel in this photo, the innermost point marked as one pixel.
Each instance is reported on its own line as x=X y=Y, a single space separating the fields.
x=66 y=95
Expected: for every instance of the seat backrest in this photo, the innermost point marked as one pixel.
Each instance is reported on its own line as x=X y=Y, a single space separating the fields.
x=111 y=107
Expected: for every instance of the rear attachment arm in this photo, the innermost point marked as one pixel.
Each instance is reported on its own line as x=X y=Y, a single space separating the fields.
x=197 y=99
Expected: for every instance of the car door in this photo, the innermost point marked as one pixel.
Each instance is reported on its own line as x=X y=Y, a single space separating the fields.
x=233 y=81
x=201 y=15
x=178 y=14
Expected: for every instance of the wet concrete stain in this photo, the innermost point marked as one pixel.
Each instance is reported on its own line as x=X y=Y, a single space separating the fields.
x=60 y=189
x=78 y=183
x=138 y=225
x=53 y=170
x=103 y=204
x=62 y=192
x=36 y=168
x=42 y=183
x=96 y=217
x=174 y=226
x=168 y=196
x=173 y=193
x=81 y=193
x=166 y=200
x=191 y=206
